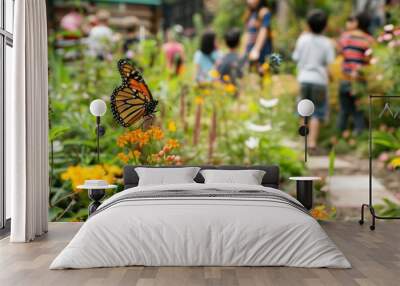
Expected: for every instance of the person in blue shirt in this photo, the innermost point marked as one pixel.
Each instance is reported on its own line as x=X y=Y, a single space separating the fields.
x=207 y=57
x=259 y=33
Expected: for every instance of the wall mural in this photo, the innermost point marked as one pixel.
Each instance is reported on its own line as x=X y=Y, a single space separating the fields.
x=195 y=92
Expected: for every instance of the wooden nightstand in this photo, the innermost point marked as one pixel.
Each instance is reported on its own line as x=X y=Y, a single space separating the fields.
x=304 y=190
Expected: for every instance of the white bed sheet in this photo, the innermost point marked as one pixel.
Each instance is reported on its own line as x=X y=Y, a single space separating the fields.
x=200 y=232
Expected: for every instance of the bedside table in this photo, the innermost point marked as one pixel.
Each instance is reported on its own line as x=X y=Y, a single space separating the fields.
x=96 y=194
x=304 y=190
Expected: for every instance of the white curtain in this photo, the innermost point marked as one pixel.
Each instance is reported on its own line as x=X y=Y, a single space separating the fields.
x=27 y=124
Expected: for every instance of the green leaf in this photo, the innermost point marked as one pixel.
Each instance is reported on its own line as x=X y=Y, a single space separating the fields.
x=332 y=158
x=57 y=131
x=54 y=212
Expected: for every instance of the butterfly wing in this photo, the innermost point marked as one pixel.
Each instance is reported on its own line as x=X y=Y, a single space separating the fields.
x=134 y=79
x=127 y=107
x=132 y=101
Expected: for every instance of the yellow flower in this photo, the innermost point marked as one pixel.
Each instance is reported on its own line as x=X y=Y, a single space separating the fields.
x=206 y=92
x=171 y=126
x=265 y=67
x=214 y=74
x=78 y=174
x=112 y=169
x=395 y=162
x=198 y=100
x=230 y=88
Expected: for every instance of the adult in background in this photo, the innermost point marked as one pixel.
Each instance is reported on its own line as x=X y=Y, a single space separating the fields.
x=375 y=10
x=100 y=36
x=259 y=33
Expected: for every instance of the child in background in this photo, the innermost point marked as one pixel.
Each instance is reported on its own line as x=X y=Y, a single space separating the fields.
x=353 y=45
x=207 y=57
x=174 y=51
x=231 y=64
x=313 y=53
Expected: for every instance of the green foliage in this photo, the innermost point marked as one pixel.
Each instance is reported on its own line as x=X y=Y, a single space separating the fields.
x=332 y=158
x=388 y=141
x=388 y=209
x=230 y=14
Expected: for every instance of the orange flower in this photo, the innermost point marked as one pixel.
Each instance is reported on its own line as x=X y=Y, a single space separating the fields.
x=156 y=133
x=123 y=157
x=173 y=143
x=319 y=213
x=137 y=154
x=226 y=78
x=121 y=141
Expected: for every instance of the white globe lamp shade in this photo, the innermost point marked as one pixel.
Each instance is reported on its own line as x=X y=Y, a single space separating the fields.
x=305 y=107
x=98 y=107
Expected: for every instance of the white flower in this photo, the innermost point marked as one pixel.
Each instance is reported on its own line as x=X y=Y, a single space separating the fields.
x=259 y=128
x=57 y=146
x=269 y=103
x=373 y=61
x=388 y=28
x=252 y=142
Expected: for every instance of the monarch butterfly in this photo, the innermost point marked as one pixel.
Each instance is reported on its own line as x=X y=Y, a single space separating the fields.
x=132 y=101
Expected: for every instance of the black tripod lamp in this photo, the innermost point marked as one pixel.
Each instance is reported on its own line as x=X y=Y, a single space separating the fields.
x=305 y=108
x=98 y=108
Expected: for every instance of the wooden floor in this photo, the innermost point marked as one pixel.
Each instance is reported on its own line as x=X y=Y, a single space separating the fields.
x=375 y=257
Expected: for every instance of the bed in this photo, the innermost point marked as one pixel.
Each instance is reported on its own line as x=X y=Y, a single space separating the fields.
x=198 y=224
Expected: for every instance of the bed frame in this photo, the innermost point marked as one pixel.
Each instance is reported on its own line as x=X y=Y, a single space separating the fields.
x=271 y=178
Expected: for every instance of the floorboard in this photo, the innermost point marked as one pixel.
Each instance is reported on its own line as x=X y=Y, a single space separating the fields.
x=375 y=257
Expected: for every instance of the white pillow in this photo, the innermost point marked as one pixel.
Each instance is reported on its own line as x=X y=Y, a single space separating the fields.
x=248 y=177
x=166 y=176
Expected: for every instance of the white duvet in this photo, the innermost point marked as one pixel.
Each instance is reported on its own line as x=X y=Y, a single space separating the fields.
x=200 y=231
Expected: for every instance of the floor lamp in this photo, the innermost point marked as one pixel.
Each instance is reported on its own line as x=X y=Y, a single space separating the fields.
x=305 y=108
x=98 y=108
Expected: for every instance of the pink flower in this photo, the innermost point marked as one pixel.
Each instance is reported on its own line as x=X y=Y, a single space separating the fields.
x=397 y=153
x=384 y=157
x=129 y=54
x=387 y=37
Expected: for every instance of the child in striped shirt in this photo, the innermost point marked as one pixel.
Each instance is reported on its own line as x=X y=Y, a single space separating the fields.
x=354 y=44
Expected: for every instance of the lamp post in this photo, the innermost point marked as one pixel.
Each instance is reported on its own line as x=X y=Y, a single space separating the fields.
x=305 y=108
x=98 y=108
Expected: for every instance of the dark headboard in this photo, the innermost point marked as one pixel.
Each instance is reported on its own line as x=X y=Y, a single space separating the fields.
x=271 y=177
